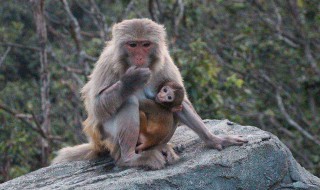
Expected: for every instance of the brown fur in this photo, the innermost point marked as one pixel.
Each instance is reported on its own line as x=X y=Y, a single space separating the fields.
x=113 y=108
x=179 y=94
x=157 y=123
x=79 y=152
x=108 y=70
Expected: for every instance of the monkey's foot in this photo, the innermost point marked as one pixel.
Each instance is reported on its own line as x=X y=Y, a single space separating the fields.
x=152 y=159
x=169 y=153
x=220 y=142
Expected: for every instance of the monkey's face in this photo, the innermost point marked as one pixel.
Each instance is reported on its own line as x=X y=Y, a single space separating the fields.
x=139 y=52
x=166 y=94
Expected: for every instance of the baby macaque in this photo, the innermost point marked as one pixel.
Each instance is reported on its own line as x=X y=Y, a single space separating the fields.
x=157 y=123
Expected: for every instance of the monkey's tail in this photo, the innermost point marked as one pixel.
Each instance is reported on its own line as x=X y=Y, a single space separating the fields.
x=79 y=152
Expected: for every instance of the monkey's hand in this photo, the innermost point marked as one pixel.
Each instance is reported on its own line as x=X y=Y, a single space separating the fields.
x=220 y=142
x=135 y=78
x=177 y=108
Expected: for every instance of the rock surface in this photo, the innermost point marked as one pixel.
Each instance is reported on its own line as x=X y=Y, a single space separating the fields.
x=263 y=163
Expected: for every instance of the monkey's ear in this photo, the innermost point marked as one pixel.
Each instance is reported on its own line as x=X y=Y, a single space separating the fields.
x=177 y=108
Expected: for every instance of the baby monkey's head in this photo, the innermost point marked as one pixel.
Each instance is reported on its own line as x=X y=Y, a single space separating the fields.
x=170 y=95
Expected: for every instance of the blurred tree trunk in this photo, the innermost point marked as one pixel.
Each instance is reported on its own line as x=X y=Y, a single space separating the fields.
x=39 y=18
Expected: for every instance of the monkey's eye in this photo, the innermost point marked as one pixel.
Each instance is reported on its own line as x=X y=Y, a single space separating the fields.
x=132 y=44
x=164 y=90
x=169 y=97
x=147 y=44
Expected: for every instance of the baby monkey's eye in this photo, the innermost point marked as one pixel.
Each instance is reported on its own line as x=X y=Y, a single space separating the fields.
x=169 y=97
x=164 y=90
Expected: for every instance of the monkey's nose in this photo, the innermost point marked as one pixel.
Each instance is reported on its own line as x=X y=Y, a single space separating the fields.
x=160 y=98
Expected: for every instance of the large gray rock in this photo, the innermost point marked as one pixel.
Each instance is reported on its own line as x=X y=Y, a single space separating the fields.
x=263 y=163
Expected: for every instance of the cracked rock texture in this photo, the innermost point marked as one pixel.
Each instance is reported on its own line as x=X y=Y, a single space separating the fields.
x=263 y=163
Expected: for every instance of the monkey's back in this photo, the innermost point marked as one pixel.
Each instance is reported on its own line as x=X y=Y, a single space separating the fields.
x=157 y=128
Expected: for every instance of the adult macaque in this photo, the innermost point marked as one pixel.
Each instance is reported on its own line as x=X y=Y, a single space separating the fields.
x=157 y=123
x=135 y=61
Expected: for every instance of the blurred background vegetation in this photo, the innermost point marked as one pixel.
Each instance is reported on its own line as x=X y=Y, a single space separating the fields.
x=254 y=62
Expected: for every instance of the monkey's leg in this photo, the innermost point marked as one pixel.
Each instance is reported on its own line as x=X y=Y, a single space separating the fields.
x=170 y=154
x=127 y=123
x=143 y=122
x=141 y=145
x=189 y=117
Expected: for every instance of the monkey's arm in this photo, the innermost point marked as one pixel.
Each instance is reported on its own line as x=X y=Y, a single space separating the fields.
x=189 y=117
x=149 y=106
x=110 y=98
x=148 y=93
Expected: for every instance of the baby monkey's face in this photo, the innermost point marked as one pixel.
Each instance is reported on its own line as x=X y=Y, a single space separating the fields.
x=166 y=94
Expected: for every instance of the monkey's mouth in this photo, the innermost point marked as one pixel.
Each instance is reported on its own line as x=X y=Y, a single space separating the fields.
x=159 y=99
x=142 y=65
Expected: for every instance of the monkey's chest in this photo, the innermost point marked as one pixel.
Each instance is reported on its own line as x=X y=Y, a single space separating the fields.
x=147 y=92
